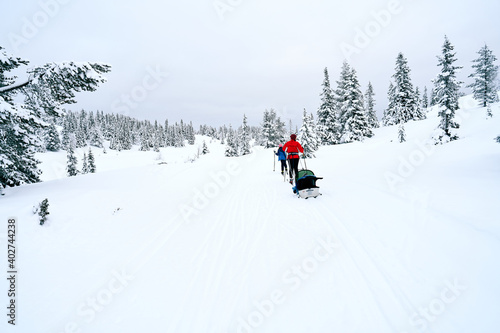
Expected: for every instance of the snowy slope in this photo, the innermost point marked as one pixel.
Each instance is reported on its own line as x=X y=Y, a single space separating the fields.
x=404 y=239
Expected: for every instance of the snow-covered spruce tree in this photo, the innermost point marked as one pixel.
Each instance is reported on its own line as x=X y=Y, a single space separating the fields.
x=390 y=114
x=46 y=89
x=327 y=125
x=51 y=138
x=419 y=113
x=231 y=144
x=273 y=130
x=447 y=94
x=308 y=136
x=156 y=137
x=244 y=138
x=96 y=137
x=71 y=166
x=81 y=130
x=433 y=98
x=370 y=107
x=43 y=211
x=179 y=138
x=91 y=163
x=404 y=93
x=85 y=166
x=401 y=128
x=341 y=96
x=204 y=149
x=190 y=134
x=485 y=73
x=355 y=126
x=425 y=99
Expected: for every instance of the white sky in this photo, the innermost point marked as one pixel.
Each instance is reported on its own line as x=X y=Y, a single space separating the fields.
x=258 y=54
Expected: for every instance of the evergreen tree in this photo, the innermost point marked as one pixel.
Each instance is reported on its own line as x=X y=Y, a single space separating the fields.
x=419 y=114
x=72 y=162
x=404 y=94
x=447 y=94
x=46 y=89
x=244 y=138
x=390 y=114
x=204 y=148
x=327 y=126
x=401 y=132
x=308 y=136
x=85 y=167
x=353 y=118
x=82 y=130
x=485 y=73
x=190 y=134
x=43 y=211
x=425 y=99
x=370 y=107
x=179 y=135
x=91 y=161
x=52 y=141
x=231 y=146
x=144 y=139
x=96 y=137
x=273 y=129
x=433 y=97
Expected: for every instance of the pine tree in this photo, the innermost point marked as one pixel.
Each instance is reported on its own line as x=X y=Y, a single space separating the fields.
x=390 y=114
x=52 y=141
x=327 y=125
x=85 y=167
x=404 y=94
x=190 y=134
x=354 y=124
x=47 y=88
x=308 y=136
x=43 y=211
x=433 y=100
x=96 y=137
x=447 y=94
x=401 y=132
x=370 y=107
x=231 y=146
x=204 y=148
x=91 y=160
x=72 y=162
x=17 y=131
x=419 y=114
x=244 y=138
x=425 y=99
x=273 y=129
x=485 y=73
x=82 y=130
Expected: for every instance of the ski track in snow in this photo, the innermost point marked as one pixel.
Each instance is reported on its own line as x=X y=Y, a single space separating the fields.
x=206 y=273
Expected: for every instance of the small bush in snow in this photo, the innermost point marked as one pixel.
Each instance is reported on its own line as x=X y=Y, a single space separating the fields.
x=43 y=211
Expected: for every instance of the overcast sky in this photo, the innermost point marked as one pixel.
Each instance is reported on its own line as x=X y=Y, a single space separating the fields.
x=212 y=61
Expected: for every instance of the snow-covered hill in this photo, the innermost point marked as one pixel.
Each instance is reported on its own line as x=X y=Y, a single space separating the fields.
x=405 y=238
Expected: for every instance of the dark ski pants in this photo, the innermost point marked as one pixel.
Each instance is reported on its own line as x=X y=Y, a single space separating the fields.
x=283 y=166
x=294 y=167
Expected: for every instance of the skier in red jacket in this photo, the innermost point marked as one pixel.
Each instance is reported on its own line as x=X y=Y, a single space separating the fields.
x=293 y=148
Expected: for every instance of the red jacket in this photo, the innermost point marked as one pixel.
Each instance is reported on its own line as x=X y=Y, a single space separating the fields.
x=292 y=148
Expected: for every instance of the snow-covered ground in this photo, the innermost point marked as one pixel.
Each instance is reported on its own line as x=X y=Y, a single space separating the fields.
x=405 y=238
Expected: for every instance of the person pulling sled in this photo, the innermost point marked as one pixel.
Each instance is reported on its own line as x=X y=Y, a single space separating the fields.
x=293 y=148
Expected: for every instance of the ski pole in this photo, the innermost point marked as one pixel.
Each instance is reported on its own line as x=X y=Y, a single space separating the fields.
x=274 y=161
x=304 y=155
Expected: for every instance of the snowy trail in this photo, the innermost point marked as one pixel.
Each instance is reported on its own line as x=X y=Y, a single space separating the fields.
x=223 y=245
x=283 y=216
